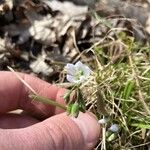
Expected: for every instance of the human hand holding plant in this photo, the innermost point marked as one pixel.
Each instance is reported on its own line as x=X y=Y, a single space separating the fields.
x=76 y=74
x=57 y=132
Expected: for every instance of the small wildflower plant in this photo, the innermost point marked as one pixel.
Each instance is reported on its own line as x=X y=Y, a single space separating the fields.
x=118 y=92
x=76 y=74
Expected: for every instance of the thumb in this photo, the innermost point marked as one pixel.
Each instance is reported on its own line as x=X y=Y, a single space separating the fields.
x=59 y=132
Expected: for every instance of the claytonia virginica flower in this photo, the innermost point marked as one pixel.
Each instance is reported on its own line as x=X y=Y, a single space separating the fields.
x=114 y=128
x=77 y=73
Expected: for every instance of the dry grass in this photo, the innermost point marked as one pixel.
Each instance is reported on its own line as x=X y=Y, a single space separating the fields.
x=119 y=89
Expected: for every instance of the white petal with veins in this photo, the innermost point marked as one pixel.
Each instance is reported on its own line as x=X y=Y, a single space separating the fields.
x=70 y=68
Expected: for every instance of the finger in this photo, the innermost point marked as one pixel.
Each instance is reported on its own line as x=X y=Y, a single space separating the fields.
x=59 y=132
x=14 y=94
x=15 y=121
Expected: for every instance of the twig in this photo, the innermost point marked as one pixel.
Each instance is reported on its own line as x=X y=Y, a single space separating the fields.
x=35 y=96
x=47 y=101
x=25 y=83
x=103 y=147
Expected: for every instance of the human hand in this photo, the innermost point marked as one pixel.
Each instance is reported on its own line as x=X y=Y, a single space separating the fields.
x=25 y=132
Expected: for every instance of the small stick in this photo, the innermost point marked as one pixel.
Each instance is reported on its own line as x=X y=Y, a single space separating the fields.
x=25 y=83
x=47 y=101
x=35 y=96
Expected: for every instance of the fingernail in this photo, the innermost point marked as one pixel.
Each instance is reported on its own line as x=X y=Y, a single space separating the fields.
x=89 y=127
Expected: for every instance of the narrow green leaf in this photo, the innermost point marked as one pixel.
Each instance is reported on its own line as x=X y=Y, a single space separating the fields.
x=128 y=89
x=75 y=110
x=112 y=137
x=67 y=97
x=69 y=107
x=127 y=93
x=142 y=126
x=46 y=101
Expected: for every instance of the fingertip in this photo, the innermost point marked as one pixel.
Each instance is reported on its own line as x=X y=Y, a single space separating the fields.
x=89 y=128
x=84 y=131
x=60 y=132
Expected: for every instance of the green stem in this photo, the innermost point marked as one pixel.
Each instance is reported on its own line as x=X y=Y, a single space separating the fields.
x=47 y=101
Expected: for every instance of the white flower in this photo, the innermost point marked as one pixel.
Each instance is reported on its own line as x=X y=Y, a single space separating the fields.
x=114 y=128
x=77 y=73
x=103 y=121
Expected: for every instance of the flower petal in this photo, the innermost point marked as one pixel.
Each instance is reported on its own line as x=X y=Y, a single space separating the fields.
x=79 y=64
x=81 y=67
x=114 y=128
x=82 y=78
x=71 y=69
x=87 y=71
x=71 y=79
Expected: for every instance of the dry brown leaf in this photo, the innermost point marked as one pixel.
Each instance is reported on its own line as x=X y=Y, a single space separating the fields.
x=6 y=6
x=40 y=66
x=73 y=10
